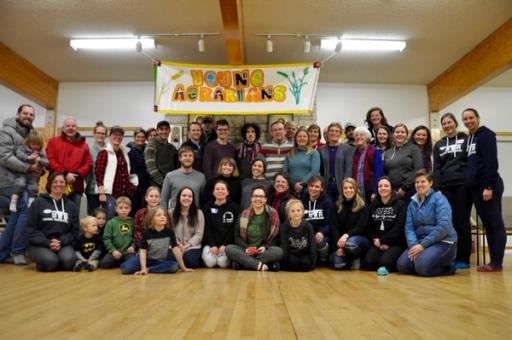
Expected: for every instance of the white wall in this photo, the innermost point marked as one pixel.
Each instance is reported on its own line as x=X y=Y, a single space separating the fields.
x=121 y=103
x=131 y=103
x=349 y=103
x=493 y=105
x=10 y=101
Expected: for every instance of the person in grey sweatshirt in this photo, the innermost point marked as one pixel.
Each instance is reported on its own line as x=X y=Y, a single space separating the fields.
x=185 y=176
x=401 y=162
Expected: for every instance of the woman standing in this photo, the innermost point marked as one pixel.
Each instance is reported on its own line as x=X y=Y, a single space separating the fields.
x=112 y=172
x=220 y=216
x=401 y=162
x=227 y=171
x=258 y=178
x=302 y=162
x=256 y=236
x=431 y=239
x=187 y=222
x=423 y=139
x=367 y=167
x=486 y=186
x=383 y=139
x=348 y=226
x=248 y=149
x=450 y=162
x=138 y=167
x=385 y=229
x=315 y=136
x=100 y=134
x=375 y=119
x=52 y=228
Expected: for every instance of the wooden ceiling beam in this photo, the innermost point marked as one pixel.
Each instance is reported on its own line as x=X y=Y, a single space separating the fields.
x=233 y=30
x=23 y=77
x=489 y=58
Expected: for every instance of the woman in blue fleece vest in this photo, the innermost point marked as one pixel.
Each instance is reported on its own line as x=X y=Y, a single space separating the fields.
x=431 y=238
x=486 y=186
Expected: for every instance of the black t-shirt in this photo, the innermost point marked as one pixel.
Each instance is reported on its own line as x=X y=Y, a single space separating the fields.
x=86 y=246
x=157 y=243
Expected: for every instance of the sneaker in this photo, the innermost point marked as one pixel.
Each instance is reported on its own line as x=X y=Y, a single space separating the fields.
x=356 y=264
x=78 y=266
x=461 y=265
x=340 y=265
x=489 y=268
x=89 y=267
x=274 y=267
x=20 y=260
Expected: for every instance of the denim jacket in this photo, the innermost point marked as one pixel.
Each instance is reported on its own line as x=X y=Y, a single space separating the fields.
x=430 y=221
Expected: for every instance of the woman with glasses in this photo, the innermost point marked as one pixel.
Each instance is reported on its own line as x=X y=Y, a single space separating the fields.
x=112 y=171
x=100 y=134
x=256 y=236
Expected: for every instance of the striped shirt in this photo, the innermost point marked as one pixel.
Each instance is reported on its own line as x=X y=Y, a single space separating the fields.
x=275 y=155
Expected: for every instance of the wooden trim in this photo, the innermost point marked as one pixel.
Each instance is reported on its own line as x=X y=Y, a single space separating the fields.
x=489 y=58
x=23 y=77
x=231 y=11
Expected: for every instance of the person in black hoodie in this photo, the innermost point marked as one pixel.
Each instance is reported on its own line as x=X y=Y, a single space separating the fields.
x=220 y=215
x=52 y=228
x=227 y=171
x=385 y=229
x=297 y=239
x=450 y=162
x=349 y=217
x=317 y=207
x=486 y=186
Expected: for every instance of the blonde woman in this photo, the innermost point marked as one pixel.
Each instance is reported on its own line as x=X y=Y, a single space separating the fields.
x=348 y=227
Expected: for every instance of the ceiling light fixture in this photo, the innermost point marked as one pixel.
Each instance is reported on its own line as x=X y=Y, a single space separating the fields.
x=112 y=43
x=307 y=44
x=200 y=44
x=269 y=44
x=370 y=45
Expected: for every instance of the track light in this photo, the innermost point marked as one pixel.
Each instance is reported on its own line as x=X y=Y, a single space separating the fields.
x=307 y=44
x=200 y=44
x=269 y=44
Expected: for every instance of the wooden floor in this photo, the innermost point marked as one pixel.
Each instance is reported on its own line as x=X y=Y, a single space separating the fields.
x=220 y=304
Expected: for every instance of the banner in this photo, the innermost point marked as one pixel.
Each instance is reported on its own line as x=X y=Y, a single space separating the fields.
x=227 y=89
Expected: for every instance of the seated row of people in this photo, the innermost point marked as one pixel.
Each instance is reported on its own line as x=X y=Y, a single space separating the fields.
x=349 y=233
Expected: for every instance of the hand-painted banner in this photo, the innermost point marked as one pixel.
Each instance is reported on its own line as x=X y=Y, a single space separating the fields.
x=227 y=89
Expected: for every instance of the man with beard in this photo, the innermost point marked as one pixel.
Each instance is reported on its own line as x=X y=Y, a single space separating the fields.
x=185 y=176
x=15 y=129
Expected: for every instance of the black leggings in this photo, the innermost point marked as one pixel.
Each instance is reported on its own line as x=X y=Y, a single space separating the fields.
x=459 y=198
x=376 y=258
x=301 y=263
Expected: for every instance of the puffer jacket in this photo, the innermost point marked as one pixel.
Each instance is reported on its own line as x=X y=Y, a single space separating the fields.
x=11 y=137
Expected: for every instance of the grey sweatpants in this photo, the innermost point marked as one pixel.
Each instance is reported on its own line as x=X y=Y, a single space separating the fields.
x=47 y=260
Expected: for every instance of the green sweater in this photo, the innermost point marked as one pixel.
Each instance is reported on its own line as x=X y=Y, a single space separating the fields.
x=118 y=234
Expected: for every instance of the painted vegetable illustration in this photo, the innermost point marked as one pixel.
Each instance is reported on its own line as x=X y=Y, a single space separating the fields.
x=295 y=84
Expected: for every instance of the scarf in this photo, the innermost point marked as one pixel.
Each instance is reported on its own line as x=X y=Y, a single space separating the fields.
x=363 y=167
x=273 y=218
x=249 y=149
x=278 y=197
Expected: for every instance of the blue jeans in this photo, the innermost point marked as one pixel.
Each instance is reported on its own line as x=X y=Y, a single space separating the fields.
x=355 y=247
x=132 y=265
x=14 y=239
x=433 y=261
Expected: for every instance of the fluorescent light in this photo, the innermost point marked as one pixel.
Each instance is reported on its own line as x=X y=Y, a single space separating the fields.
x=363 y=44
x=111 y=44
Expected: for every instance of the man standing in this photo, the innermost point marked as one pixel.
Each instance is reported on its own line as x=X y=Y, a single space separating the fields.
x=161 y=156
x=209 y=134
x=185 y=176
x=218 y=149
x=291 y=130
x=14 y=130
x=194 y=141
x=336 y=160
x=349 y=134
x=69 y=152
x=275 y=152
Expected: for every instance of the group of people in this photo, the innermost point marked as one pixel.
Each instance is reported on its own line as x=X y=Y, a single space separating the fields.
x=377 y=199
